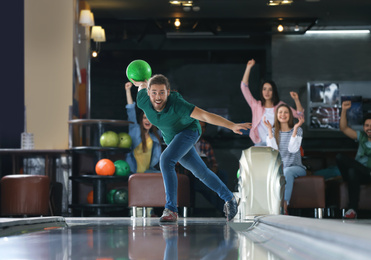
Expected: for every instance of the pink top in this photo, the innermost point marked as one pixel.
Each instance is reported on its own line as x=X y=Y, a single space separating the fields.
x=258 y=111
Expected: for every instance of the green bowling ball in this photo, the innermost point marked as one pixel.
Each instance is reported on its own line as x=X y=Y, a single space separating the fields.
x=121 y=196
x=109 y=139
x=138 y=70
x=110 y=196
x=122 y=168
x=125 y=140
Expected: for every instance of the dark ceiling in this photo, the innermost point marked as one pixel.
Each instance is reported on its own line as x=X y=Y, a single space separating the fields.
x=226 y=18
x=328 y=12
x=221 y=36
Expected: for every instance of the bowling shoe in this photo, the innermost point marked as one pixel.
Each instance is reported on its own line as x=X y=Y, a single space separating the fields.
x=350 y=214
x=169 y=216
x=231 y=208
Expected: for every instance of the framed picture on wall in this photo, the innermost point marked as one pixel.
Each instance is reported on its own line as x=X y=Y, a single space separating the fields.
x=323 y=117
x=355 y=112
x=324 y=103
x=324 y=93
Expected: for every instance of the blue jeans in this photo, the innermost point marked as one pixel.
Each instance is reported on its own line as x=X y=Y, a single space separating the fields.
x=290 y=174
x=182 y=150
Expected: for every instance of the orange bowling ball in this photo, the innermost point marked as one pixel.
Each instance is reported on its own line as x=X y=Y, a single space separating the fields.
x=90 y=197
x=105 y=167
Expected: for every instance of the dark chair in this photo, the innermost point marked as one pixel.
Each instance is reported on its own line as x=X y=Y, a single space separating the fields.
x=25 y=195
x=309 y=192
x=337 y=196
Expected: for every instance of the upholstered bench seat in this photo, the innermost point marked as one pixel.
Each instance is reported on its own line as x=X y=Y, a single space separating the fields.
x=337 y=195
x=147 y=190
x=309 y=192
x=25 y=195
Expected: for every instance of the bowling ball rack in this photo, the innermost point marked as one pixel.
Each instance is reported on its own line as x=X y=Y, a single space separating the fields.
x=100 y=206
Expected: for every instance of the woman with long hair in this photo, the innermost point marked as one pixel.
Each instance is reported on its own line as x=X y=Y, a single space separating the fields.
x=286 y=137
x=266 y=106
x=146 y=146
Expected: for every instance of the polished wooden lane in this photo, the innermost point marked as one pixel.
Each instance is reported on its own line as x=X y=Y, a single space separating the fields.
x=264 y=237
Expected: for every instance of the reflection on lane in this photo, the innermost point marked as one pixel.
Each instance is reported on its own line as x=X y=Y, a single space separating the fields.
x=183 y=241
x=264 y=238
x=135 y=240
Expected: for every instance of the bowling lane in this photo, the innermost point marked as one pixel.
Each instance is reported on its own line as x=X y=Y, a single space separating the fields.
x=263 y=237
x=289 y=237
x=125 y=238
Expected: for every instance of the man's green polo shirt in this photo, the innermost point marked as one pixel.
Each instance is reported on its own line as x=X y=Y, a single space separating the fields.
x=173 y=119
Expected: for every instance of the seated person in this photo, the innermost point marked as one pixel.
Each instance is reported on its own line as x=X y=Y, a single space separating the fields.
x=355 y=171
x=286 y=137
x=146 y=147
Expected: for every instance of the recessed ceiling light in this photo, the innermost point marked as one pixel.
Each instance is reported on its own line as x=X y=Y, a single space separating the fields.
x=175 y=2
x=336 y=31
x=182 y=3
x=177 y=23
x=196 y=8
x=279 y=2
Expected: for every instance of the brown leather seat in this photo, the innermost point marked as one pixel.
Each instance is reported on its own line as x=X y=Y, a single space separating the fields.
x=309 y=192
x=26 y=195
x=147 y=190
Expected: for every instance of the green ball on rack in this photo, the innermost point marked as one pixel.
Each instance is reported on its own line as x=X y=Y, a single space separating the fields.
x=122 y=168
x=121 y=196
x=110 y=196
x=109 y=139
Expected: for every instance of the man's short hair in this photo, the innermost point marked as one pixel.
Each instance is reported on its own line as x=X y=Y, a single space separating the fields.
x=366 y=117
x=159 y=79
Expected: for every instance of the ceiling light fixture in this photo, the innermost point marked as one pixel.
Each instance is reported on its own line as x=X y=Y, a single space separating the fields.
x=94 y=54
x=196 y=8
x=188 y=3
x=337 y=31
x=181 y=3
x=86 y=18
x=279 y=2
x=177 y=23
x=280 y=28
x=98 y=35
x=174 y=2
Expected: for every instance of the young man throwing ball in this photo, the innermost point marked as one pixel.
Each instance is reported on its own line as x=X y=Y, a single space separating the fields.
x=178 y=121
